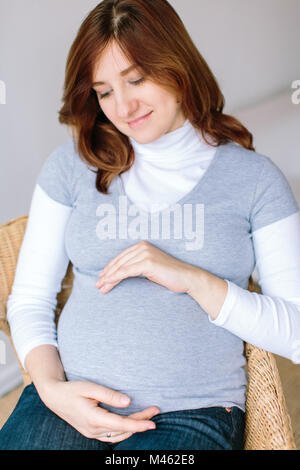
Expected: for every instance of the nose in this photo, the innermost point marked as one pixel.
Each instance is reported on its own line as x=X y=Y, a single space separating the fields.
x=126 y=105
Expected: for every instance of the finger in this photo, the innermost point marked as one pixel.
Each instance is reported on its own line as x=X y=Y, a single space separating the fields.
x=124 y=260
x=148 y=413
x=106 y=285
x=118 y=437
x=112 y=278
x=115 y=436
x=134 y=248
x=103 y=394
x=119 y=256
x=115 y=422
x=132 y=270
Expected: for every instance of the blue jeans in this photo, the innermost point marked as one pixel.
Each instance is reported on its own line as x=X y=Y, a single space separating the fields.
x=34 y=426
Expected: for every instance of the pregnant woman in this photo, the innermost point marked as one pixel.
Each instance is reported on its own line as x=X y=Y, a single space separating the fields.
x=164 y=208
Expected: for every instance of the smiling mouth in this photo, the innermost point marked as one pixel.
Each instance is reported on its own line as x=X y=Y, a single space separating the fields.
x=139 y=120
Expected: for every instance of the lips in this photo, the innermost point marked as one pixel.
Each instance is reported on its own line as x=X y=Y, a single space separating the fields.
x=139 y=120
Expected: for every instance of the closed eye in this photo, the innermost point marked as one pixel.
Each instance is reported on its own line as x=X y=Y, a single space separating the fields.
x=137 y=82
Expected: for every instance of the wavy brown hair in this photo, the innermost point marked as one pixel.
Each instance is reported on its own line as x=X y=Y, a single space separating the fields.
x=151 y=34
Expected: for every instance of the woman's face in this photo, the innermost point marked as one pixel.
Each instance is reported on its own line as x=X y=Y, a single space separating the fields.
x=122 y=100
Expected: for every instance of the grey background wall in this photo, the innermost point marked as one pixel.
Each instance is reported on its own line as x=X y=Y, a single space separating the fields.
x=251 y=46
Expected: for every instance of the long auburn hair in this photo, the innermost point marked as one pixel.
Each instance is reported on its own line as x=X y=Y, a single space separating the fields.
x=151 y=34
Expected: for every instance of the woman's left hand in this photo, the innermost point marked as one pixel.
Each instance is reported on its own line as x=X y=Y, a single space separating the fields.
x=149 y=261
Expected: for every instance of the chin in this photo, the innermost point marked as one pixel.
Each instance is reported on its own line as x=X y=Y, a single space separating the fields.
x=146 y=140
x=144 y=137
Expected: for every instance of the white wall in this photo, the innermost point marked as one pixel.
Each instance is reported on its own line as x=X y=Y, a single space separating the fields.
x=275 y=125
x=252 y=48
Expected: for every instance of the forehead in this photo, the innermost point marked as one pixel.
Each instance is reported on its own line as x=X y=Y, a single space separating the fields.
x=111 y=62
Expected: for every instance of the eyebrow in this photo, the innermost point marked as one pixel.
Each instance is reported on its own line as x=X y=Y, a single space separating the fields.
x=123 y=73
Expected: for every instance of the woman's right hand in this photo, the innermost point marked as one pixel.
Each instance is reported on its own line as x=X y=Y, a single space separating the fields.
x=76 y=402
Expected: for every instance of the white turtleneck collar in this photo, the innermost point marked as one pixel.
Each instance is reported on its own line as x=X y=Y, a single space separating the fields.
x=176 y=144
x=166 y=169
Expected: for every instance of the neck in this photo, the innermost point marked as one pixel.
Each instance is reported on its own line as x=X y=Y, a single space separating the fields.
x=173 y=145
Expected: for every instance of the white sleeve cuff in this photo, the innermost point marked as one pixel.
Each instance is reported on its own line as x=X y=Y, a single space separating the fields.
x=228 y=305
x=270 y=323
x=22 y=353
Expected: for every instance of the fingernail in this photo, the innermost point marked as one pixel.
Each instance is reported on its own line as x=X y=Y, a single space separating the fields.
x=151 y=426
x=124 y=400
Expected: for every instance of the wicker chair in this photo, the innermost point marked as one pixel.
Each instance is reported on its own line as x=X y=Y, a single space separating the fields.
x=268 y=424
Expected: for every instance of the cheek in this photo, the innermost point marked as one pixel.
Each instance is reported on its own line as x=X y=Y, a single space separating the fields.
x=107 y=109
x=152 y=95
x=163 y=100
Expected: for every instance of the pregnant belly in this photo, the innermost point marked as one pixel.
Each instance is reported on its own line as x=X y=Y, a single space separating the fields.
x=139 y=333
